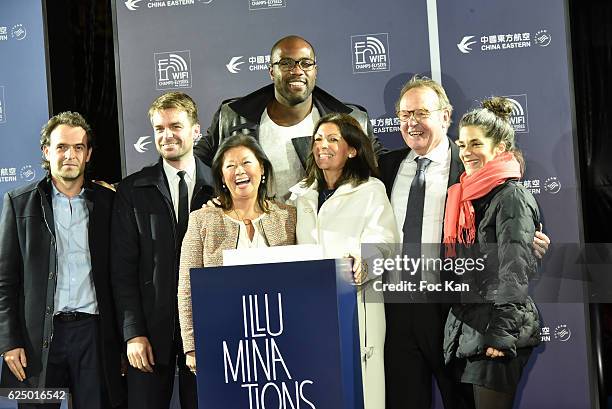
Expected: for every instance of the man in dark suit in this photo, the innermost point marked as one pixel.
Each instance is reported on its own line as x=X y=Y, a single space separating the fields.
x=413 y=345
x=57 y=320
x=150 y=219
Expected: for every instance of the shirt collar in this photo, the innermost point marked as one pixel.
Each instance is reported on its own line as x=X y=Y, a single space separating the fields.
x=437 y=154
x=171 y=172
x=56 y=192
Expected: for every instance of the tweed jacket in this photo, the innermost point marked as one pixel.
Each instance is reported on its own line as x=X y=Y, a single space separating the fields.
x=208 y=234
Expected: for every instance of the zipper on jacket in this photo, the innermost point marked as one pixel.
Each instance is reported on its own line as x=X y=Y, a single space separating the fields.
x=53 y=240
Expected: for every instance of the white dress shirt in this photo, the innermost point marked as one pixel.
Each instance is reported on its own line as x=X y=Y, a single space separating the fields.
x=436 y=184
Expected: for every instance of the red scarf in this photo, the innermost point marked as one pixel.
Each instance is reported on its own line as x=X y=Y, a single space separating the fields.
x=459 y=217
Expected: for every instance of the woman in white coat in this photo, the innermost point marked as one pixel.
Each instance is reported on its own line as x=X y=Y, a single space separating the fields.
x=341 y=206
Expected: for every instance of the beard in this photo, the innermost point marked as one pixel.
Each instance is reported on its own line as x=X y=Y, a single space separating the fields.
x=68 y=173
x=291 y=96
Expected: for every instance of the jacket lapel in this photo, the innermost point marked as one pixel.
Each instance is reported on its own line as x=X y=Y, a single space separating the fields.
x=45 y=191
x=159 y=179
x=456 y=167
x=389 y=166
x=203 y=182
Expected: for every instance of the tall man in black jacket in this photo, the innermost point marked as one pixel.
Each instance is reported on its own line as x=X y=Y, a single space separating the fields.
x=282 y=115
x=413 y=345
x=150 y=220
x=57 y=318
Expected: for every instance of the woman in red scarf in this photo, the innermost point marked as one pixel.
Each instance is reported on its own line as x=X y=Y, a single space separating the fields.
x=490 y=215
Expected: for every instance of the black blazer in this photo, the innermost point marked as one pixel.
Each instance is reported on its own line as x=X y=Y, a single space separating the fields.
x=389 y=163
x=28 y=266
x=146 y=255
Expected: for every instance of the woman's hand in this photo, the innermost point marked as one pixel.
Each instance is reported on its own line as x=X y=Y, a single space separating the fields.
x=190 y=361
x=360 y=269
x=540 y=243
x=494 y=353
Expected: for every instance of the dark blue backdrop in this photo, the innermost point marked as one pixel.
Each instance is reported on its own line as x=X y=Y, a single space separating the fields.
x=366 y=50
x=24 y=102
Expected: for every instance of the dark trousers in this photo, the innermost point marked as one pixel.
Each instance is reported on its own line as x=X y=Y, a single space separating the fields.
x=413 y=354
x=74 y=362
x=154 y=390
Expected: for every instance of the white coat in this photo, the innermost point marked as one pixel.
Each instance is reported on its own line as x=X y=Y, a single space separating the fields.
x=351 y=216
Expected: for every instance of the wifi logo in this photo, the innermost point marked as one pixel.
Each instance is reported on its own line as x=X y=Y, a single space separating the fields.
x=370 y=53
x=173 y=69
x=519 y=117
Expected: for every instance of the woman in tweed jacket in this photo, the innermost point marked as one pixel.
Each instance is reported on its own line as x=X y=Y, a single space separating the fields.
x=247 y=218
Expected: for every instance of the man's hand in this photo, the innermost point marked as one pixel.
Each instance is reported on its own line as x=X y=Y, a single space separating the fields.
x=16 y=360
x=140 y=354
x=190 y=361
x=494 y=353
x=214 y=202
x=540 y=243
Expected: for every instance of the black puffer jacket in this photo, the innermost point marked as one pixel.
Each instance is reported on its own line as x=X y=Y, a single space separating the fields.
x=500 y=313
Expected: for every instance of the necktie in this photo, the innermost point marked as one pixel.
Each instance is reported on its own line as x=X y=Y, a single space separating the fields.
x=183 y=206
x=413 y=224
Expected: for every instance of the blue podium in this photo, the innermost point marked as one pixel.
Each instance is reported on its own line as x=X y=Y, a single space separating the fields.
x=281 y=336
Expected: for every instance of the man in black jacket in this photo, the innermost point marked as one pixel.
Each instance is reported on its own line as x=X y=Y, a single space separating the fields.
x=281 y=115
x=413 y=345
x=57 y=318
x=150 y=219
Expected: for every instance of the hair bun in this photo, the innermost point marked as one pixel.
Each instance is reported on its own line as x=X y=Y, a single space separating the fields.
x=499 y=106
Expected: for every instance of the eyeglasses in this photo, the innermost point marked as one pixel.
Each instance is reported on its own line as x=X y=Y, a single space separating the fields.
x=417 y=114
x=288 y=64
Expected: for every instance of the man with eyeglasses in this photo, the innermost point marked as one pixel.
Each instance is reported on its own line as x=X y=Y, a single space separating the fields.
x=417 y=178
x=281 y=115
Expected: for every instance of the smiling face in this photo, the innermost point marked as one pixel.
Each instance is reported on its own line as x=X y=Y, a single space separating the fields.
x=330 y=149
x=67 y=152
x=174 y=134
x=475 y=149
x=424 y=135
x=242 y=172
x=295 y=86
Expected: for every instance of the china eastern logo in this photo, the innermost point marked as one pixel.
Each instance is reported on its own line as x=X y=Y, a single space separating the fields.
x=141 y=144
x=132 y=4
x=18 y=32
x=173 y=70
x=370 y=53
x=27 y=173
x=156 y=4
